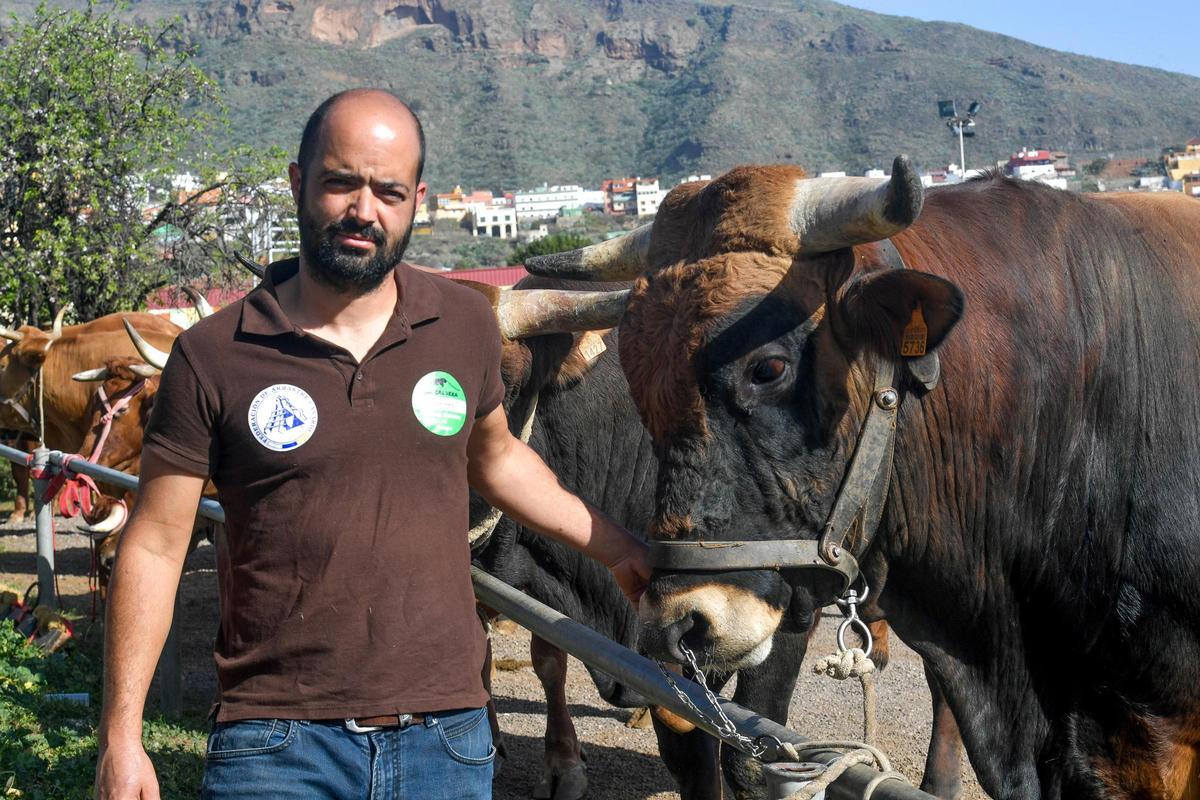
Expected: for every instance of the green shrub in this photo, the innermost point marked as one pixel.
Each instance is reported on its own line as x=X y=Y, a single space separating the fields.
x=48 y=747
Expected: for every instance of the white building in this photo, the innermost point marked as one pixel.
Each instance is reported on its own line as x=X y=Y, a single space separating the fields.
x=874 y=173
x=1033 y=165
x=649 y=197
x=546 y=202
x=493 y=219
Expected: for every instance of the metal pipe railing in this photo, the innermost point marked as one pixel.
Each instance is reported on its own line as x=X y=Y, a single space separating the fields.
x=637 y=672
x=643 y=675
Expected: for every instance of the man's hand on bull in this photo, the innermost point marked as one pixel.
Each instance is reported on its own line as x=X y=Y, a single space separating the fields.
x=631 y=571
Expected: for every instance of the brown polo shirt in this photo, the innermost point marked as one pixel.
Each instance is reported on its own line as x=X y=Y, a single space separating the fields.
x=344 y=573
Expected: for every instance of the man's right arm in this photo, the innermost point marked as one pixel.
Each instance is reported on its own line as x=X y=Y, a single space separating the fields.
x=141 y=598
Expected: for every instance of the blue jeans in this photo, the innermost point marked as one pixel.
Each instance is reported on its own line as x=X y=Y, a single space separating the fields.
x=448 y=756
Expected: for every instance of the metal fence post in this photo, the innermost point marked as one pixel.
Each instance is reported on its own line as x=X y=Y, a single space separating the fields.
x=170 y=668
x=44 y=520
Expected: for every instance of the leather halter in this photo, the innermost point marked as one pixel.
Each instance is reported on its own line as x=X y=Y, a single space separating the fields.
x=852 y=523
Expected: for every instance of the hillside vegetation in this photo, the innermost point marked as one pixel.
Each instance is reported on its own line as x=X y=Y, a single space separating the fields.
x=516 y=92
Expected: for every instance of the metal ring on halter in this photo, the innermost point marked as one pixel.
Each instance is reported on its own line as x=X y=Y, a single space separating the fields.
x=844 y=603
x=862 y=631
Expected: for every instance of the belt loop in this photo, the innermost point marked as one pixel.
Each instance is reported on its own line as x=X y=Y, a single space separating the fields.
x=430 y=720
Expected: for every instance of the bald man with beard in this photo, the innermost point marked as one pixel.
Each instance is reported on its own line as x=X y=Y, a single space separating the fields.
x=342 y=409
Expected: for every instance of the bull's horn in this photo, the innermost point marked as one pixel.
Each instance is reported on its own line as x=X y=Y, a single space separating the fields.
x=532 y=312
x=199 y=301
x=11 y=335
x=115 y=519
x=97 y=374
x=258 y=271
x=153 y=356
x=832 y=213
x=620 y=259
x=144 y=370
x=56 y=330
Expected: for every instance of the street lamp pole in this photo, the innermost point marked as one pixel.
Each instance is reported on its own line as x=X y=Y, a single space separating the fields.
x=962 y=150
x=959 y=123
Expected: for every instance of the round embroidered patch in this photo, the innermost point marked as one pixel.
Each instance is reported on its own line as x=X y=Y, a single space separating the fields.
x=440 y=403
x=282 y=417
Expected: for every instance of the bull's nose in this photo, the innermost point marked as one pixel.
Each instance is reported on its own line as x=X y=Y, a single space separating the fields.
x=663 y=642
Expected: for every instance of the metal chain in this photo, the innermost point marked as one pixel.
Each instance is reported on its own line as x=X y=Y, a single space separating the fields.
x=723 y=725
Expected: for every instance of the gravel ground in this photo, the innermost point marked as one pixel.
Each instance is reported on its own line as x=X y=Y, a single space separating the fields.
x=623 y=763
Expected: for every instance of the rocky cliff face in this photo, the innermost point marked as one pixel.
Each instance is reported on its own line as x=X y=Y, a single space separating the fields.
x=547 y=31
x=516 y=92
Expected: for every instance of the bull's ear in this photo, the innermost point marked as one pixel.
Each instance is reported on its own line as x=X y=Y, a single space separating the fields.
x=585 y=352
x=898 y=312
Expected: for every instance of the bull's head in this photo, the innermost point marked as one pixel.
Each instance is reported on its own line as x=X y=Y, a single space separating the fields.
x=22 y=356
x=750 y=344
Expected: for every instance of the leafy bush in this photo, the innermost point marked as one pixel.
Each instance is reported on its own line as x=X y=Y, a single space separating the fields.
x=48 y=747
x=554 y=243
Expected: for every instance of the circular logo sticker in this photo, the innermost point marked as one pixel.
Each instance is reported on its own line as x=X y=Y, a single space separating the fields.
x=440 y=404
x=282 y=417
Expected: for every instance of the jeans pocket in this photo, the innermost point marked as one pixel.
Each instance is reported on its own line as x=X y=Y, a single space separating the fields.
x=467 y=737
x=250 y=737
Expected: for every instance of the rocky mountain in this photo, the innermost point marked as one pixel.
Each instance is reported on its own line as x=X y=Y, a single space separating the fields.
x=516 y=92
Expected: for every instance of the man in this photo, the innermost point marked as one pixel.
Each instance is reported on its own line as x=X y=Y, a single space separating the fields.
x=341 y=409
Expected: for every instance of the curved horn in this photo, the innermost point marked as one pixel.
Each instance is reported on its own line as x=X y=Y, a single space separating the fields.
x=532 y=312
x=831 y=213
x=199 y=301
x=88 y=375
x=115 y=519
x=56 y=330
x=152 y=355
x=11 y=335
x=620 y=259
x=258 y=271
x=144 y=370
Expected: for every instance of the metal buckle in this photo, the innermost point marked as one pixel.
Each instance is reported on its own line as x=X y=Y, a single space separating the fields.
x=405 y=721
x=354 y=727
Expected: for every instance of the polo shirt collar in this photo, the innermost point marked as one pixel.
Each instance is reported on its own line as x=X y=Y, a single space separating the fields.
x=418 y=300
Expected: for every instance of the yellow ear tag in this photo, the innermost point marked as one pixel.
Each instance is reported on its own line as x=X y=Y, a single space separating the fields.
x=915 y=336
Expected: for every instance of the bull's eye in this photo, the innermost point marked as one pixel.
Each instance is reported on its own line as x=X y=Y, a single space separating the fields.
x=768 y=370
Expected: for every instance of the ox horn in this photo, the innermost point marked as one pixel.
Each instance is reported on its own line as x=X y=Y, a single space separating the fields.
x=56 y=330
x=532 y=312
x=11 y=335
x=153 y=356
x=115 y=519
x=620 y=259
x=258 y=271
x=199 y=301
x=832 y=213
x=144 y=370
x=88 y=375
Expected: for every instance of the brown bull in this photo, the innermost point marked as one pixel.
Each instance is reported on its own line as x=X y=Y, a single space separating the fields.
x=52 y=358
x=1035 y=540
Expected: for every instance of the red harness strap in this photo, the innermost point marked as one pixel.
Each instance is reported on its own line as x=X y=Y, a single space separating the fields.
x=75 y=491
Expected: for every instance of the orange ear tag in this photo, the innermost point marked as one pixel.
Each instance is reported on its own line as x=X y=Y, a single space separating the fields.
x=916 y=334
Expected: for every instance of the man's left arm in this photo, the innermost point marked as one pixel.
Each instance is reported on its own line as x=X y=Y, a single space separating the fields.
x=514 y=479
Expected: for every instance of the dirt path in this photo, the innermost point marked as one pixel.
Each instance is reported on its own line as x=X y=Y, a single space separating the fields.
x=622 y=762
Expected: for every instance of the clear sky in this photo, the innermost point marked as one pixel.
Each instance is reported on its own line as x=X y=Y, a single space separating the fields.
x=1152 y=33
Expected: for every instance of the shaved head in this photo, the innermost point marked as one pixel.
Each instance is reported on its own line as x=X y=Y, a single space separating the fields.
x=376 y=100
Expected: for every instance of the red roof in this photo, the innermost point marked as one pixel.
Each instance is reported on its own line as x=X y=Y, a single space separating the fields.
x=171 y=297
x=1031 y=156
x=1193 y=143
x=495 y=276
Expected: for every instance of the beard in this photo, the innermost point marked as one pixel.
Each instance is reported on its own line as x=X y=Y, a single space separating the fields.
x=342 y=269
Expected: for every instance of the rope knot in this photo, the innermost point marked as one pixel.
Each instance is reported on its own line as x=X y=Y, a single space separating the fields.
x=852 y=663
